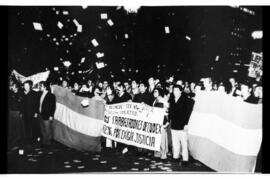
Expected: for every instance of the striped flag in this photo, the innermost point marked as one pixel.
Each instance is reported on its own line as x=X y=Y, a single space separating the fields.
x=224 y=132
x=76 y=126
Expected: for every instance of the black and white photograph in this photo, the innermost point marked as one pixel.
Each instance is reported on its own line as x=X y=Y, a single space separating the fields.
x=134 y=89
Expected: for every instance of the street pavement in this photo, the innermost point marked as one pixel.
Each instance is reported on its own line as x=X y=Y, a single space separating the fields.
x=61 y=159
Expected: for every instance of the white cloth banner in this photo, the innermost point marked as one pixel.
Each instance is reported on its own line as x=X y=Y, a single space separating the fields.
x=36 y=78
x=134 y=124
x=18 y=76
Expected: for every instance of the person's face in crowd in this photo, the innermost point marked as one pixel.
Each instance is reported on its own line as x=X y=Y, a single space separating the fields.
x=198 y=88
x=76 y=86
x=258 y=92
x=97 y=92
x=179 y=82
x=176 y=92
x=42 y=88
x=84 y=87
x=221 y=88
x=245 y=91
x=26 y=87
x=64 y=84
x=14 y=88
x=151 y=81
x=100 y=85
x=134 y=84
x=89 y=82
x=142 y=88
x=186 y=84
x=126 y=85
x=207 y=83
x=156 y=94
x=105 y=84
x=120 y=89
x=187 y=90
x=192 y=86
x=215 y=87
x=11 y=84
x=109 y=94
x=232 y=81
x=254 y=86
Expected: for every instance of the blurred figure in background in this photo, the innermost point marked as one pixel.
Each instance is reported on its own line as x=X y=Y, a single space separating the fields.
x=15 y=121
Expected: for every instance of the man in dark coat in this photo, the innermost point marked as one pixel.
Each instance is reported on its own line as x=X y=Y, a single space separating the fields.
x=30 y=113
x=143 y=96
x=47 y=105
x=123 y=96
x=179 y=112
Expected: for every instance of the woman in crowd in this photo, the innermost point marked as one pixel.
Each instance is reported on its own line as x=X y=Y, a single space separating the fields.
x=162 y=103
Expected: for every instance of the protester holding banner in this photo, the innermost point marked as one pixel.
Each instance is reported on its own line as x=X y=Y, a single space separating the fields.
x=123 y=96
x=143 y=96
x=47 y=106
x=160 y=102
x=110 y=99
x=30 y=113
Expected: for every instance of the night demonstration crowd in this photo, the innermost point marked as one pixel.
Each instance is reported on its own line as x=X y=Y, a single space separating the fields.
x=31 y=111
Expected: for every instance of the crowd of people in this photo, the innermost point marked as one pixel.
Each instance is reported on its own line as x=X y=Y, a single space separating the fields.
x=31 y=111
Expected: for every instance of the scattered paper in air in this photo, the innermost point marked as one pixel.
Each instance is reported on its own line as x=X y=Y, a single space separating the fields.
x=110 y=22
x=99 y=55
x=188 y=38
x=37 y=26
x=167 y=30
x=79 y=28
x=103 y=16
x=100 y=65
x=66 y=63
x=83 y=59
x=94 y=42
x=60 y=25
x=65 y=12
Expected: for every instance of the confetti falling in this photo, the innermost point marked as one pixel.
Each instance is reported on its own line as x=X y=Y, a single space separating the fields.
x=82 y=60
x=37 y=26
x=103 y=16
x=65 y=12
x=188 y=38
x=99 y=54
x=67 y=63
x=60 y=25
x=167 y=30
x=94 y=42
x=110 y=22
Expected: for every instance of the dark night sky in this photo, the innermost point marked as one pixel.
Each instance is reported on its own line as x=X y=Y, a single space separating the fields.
x=31 y=51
